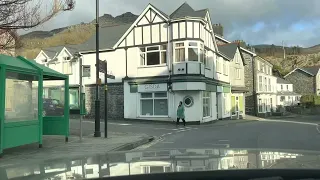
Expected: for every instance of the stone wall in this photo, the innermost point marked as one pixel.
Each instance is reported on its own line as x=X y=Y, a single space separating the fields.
x=302 y=83
x=115 y=101
x=248 y=76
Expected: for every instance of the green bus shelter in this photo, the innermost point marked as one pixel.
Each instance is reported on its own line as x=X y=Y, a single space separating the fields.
x=22 y=106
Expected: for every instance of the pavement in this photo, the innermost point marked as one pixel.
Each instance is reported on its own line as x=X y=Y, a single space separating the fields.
x=55 y=148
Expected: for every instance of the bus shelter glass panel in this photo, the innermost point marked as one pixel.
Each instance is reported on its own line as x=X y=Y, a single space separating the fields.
x=74 y=98
x=21 y=98
x=53 y=101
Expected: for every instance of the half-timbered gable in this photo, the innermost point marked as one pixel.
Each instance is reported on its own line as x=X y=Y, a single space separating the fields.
x=150 y=28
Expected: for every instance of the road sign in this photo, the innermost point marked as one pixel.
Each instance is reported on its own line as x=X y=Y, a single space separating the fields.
x=102 y=66
x=86 y=71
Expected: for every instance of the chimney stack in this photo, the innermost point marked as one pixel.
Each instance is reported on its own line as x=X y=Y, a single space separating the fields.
x=218 y=29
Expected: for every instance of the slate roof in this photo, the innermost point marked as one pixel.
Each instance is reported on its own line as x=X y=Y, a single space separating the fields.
x=228 y=49
x=312 y=70
x=282 y=81
x=109 y=36
x=52 y=51
x=186 y=10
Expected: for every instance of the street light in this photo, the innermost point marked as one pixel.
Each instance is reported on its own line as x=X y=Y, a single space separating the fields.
x=97 y=132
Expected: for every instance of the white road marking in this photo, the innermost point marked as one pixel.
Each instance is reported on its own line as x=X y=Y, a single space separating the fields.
x=294 y=122
x=167 y=142
x=120 y=124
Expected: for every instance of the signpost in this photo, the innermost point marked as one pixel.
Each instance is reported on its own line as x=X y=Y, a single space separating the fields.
x=104 y=69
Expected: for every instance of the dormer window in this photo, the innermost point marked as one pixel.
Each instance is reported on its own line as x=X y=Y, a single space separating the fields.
x=44 y=60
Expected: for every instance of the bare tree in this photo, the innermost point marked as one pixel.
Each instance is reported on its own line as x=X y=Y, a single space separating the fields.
x=26 y=14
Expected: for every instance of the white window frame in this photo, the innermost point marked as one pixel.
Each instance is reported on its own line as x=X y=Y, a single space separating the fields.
x=153 y=98
x=206 y=95
x=206 y=60
x=260 y=83
x=265 y=84
x=269 y=84
x=198 y=47
x=146 y=51
x=69 y=67
x=238 y=73
x=179 y=47
x=281 y=87
x=224 y=68
x=218 y=64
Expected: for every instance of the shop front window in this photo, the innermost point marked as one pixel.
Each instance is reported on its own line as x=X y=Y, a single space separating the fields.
x=206 y=104
x=21 y=102
x=154 y=104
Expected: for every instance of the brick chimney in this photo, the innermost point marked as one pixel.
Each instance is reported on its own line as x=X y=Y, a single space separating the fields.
x=218 y=29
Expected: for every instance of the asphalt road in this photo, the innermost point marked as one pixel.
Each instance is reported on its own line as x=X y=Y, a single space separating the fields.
x=257 y=134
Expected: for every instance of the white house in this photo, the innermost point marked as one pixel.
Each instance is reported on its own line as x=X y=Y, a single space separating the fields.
x=285 y=94
x=158 y=61
x=266 y=87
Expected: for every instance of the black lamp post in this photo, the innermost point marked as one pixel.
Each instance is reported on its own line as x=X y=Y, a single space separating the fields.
x=97 y=132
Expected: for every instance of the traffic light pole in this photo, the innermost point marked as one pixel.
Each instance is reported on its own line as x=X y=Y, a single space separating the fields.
x=97 y=132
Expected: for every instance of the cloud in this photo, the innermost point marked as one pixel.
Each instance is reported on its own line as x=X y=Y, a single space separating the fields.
x=255 y=21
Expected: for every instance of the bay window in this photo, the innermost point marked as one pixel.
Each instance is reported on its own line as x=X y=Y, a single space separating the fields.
x=154 y=104
x=206 y=59
x=179 y=52
x=202 y=54
x=206 y=98
x=193 y=51
x=153 y=55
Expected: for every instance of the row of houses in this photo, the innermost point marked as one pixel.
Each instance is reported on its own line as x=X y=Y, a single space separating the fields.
x=160 y=60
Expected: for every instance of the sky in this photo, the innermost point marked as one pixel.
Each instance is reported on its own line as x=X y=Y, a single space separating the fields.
x=296 y=22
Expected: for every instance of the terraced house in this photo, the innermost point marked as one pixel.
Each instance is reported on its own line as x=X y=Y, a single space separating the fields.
x=158 y=61
x=305 y=80
x=249 y=74
x=266 y=87
x=237 y=80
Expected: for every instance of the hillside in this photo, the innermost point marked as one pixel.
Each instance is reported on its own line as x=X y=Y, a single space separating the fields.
x=294 y=56
x=32 y=42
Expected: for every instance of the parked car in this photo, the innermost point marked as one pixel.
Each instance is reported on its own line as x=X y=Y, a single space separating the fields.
x=52 y=107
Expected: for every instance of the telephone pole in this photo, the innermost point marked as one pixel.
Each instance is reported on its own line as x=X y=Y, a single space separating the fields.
x=284 y=50
x=97 y=132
